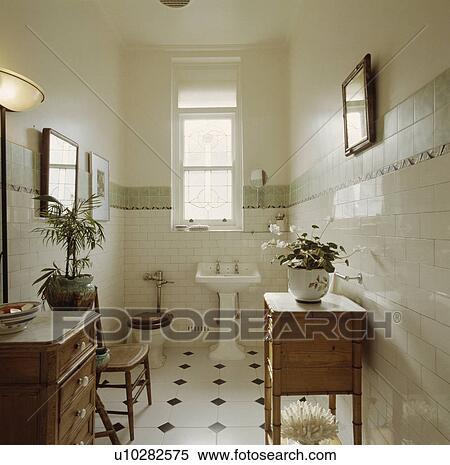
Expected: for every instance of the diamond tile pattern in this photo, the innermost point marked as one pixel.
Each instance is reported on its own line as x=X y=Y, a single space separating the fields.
x=166 y=427
x=218 y=401
x=224 y=409
x=174 y=401
x=217 y=427
x=180 y=382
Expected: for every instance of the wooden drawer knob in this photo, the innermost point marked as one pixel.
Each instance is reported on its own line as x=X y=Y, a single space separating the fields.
x=81 y=413
x=84 y=381
x=81 y=346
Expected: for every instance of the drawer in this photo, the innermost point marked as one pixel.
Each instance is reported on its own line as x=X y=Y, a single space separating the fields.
x=79 y=381
x=75 y=348
x=79 y=409
x=296 y=381
x=84 y=435
x=317 y=353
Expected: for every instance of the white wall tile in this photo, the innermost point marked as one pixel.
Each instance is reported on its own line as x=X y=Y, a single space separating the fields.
x=420 y=250
x=406 y=113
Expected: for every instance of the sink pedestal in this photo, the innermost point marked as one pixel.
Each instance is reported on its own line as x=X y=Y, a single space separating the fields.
x=227 y=348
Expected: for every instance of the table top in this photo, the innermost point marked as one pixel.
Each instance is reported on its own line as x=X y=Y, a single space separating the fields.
x=283 y=302
x=49 y=328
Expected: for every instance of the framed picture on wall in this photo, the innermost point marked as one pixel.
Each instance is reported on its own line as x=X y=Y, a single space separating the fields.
x=99 y=169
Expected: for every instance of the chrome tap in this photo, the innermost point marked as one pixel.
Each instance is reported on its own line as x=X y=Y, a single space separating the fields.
x=158 y=277
x=236 y=267
x=217 y=266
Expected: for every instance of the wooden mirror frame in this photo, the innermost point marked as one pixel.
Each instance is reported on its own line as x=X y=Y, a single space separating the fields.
x=369 y=88
x=45 y=164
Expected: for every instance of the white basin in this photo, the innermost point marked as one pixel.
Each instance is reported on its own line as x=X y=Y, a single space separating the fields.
x=227 y=281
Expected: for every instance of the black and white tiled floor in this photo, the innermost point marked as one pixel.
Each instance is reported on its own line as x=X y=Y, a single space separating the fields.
x=197 y=401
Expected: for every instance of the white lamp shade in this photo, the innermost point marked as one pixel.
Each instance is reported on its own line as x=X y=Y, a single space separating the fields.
x=18 y=93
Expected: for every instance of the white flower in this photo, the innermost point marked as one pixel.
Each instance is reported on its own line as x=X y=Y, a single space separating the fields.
x=293 y=228
x=274 y=229
x=305 y=423
x=266 y=245
x=281 y=244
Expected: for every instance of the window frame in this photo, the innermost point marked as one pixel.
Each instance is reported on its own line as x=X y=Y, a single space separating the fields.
x=179 y=115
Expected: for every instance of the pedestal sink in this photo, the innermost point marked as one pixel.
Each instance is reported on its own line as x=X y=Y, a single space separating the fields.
x=227 y=280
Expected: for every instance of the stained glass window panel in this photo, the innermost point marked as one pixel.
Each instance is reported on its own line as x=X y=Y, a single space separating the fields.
x=208 y=142
x=208 y=195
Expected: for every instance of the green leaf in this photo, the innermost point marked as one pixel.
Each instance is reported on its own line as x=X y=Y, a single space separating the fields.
x=48 y=198
x=314 y=226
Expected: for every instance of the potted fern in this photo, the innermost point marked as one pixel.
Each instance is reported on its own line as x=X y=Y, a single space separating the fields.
x=309 y=262
x=78 y=234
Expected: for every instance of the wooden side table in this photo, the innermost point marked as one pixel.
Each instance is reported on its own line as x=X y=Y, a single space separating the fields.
x=312 y=349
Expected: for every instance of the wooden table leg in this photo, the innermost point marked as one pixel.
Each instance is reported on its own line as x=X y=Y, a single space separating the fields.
x=276 y=393
x=357 y=393
x=332 y=403
x=267 y=391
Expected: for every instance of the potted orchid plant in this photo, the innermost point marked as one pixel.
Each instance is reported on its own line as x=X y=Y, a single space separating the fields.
x=309 y=261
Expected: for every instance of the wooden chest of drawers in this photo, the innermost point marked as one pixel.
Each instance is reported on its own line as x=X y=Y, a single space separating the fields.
x=47 y=380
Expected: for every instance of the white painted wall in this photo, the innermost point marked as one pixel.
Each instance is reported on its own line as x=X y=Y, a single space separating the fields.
x=331 y=37
x=77 y=34
x=147 y=106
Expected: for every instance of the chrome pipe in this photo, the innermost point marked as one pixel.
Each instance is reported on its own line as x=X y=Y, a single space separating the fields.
x=358 y=277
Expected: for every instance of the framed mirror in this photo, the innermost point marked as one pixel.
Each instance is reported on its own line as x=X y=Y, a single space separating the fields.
x=59 y=167
x=358 y=96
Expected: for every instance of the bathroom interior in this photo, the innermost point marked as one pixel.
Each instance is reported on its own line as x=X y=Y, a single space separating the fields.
x=212 y=133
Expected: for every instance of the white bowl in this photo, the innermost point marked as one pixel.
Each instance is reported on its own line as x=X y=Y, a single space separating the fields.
x=16 y=322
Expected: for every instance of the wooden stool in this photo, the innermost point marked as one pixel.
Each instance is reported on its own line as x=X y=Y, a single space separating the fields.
x=124 y=358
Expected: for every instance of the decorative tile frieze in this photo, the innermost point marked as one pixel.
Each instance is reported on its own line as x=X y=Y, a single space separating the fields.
x=334 y=171
x=398 y=165
x=159 y=197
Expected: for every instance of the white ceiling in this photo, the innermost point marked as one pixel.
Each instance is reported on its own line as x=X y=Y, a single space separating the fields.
x=204 y=23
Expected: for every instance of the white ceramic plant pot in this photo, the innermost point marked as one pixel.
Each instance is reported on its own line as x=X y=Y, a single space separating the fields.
x=308 y=285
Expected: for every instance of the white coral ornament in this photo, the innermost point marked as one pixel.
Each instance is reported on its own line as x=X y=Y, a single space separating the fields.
x=306 y=423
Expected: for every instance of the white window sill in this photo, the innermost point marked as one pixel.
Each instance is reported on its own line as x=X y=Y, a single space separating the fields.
x=210 y=230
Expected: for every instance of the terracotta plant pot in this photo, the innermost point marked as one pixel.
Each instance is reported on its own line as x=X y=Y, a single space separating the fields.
x=308 y=285
x=65 y=293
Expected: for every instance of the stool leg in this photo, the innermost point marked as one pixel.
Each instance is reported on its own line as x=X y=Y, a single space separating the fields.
x=109 y=428
x=148 y=380
x=129 y=387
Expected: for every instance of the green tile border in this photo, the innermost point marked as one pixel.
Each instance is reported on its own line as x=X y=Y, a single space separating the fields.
x=159 y=197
